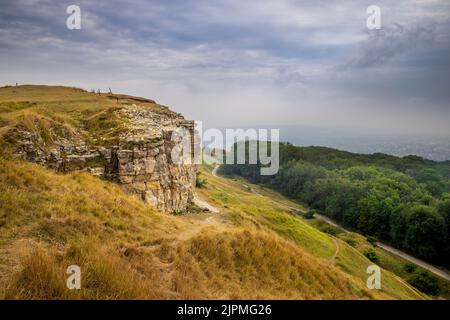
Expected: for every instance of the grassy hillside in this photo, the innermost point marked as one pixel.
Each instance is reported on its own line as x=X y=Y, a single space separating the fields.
x=62 y=111
x=389 y=261
x=246 y=204
x=254 y=248
x=402 y=201
x=126 y=249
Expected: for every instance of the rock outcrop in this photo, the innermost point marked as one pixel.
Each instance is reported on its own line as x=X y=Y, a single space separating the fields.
x=138 y=157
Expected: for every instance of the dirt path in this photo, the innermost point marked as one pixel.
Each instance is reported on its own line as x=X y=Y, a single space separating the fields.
x=336 y=243
x=329 y=221
x=214 y=171
x=421 y=263
x=197 y=224
x=439 y=272
x=205 y=205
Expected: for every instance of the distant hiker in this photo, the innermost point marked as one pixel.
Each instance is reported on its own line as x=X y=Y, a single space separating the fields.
x=17 y=84
x=98 y=91
x=110 y=92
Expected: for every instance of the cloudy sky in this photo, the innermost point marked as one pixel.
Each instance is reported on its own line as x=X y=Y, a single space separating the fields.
x=246 y=63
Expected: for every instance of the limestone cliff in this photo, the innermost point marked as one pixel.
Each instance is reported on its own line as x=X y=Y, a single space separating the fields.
x=128 y=143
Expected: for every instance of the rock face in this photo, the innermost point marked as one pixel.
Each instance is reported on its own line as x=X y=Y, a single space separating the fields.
x=142 y=163
x=139 y=158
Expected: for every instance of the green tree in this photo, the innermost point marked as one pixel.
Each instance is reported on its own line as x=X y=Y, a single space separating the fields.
x=371 y=255
x=425 y=232
x=425 y=282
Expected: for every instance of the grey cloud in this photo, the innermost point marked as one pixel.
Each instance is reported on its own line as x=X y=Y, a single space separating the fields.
x=399 y=63
x=386 y=44
x=265 y=61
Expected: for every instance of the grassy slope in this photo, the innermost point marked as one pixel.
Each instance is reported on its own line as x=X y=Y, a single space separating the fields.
x=253 y=249
x=387 y=260
x=62 y=110
x=244 y=207
x=128 y=250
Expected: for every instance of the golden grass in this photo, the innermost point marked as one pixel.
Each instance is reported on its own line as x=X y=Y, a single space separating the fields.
x=127 y=250
x=254 y=248
x=241 y=206
x=103 y=275
x=55 y=111
x=53 y=214
x=258 y=265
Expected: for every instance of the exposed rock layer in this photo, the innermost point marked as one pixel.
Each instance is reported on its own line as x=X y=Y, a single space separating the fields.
x=139 y=159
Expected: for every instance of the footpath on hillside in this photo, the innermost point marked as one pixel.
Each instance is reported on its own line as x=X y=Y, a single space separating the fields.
x=437 y=271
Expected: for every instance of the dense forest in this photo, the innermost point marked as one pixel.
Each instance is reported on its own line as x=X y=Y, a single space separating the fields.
x=404 y=201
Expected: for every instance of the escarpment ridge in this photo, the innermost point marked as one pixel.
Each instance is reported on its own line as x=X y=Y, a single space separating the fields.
x=117 y=137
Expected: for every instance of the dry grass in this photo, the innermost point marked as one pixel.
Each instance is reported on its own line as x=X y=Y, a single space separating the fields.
x=104 y=275
x=242 y=207
x=245 y=264
x=128 y=250
x=58 y=216
x=55 y=111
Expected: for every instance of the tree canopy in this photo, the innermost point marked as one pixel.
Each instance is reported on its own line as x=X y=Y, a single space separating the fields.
x=401 y=200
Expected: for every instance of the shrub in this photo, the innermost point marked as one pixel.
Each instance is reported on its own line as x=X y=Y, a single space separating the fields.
x=371 y=255
x=330 y=230
x=309 y=214
x=410 y=267
x=351 y=242
x=199 y=182
x=425 y=282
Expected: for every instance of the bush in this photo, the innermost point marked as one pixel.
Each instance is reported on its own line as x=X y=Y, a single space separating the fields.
x=309 y=214
x=330 y=230
x=410 y=268
x=351 y=242
x=199 y=182
x=425 y=282
x=371 y=255
x=372 y=240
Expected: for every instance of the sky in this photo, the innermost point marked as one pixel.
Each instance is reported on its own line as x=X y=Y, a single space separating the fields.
x=234 y=63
